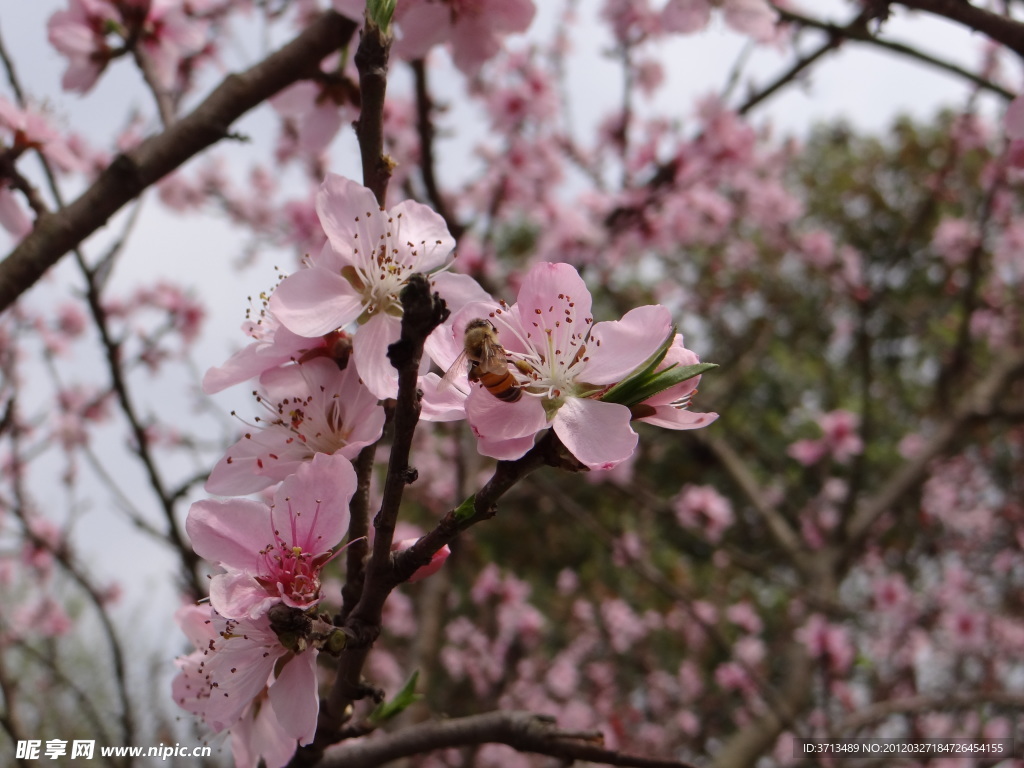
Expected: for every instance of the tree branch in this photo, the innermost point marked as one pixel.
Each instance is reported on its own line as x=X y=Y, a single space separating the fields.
x=860 y=33
x=372 y=62
x=980 y=401
x=1000 y=28
x=422 y=312
x=131 y=173
x=524 y=731
x=913 y=705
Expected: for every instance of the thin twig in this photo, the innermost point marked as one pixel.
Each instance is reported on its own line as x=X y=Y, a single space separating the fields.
x=861 y=34
x=371 y=60
x=425 y=129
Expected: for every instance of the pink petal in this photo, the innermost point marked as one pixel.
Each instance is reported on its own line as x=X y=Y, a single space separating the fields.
x=459 y=290
x=751 y=17
x=296 y=99
x=421 y=26
x=436 y=561
x=677 y=355
x=504 y=450
x=257 y=735
x=510 y=15
x=474 y=42
x=318 y=128
x=345 y=208
x=370 y=353
x=229 y=531
x=1015 y=118
x=12 y=217
x=441 y=403
x=596 y=433
x=625 y=344
x=237 y=595
x=311 y=506
x=686 y=16
x=315 y=301
x=495 y=419
x=669 y=417
x=422 y=228
x=255 y=462
x=194 y=621
x=294 y=697
x=545 y=295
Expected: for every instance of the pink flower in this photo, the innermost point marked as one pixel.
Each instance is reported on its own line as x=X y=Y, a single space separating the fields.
x=840 y=428
x=563 y=363
x=748 y=17
x=169 y=34
x=807 y=452
x=274 y=554
x=234 y=675
x=314 y=408
x=31 y=128
x=704 y=508
x=80 y=34
x=827 y=642
x=357 y=277
x=273 y=345
x=312 y=114
x=671 y=406
x=474 y=28
x=430 y=568
x=1014 y=119
x=840 y=440
x=12 y=216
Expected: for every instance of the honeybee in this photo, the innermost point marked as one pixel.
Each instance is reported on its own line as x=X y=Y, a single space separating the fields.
x=486 y=361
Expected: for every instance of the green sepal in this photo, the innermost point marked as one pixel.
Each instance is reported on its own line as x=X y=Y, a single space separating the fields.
x=641 y=390
x=647 y=380
x=401 y=701
x=466 y=509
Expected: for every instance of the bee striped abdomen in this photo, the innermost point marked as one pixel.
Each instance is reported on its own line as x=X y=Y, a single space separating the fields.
x=502 y=385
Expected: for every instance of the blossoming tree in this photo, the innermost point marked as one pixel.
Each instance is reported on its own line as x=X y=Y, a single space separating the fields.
x=474 y=510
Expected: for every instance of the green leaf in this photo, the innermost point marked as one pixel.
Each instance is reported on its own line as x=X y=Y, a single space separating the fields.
x=644 y=389
x=466 y=509
x=380 y=12
x=401 y=701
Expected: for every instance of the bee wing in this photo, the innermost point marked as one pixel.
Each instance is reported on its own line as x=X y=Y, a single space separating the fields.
x=492 y=357
x=459 y=366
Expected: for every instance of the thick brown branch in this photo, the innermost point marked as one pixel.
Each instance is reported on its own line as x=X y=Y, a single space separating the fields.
x=523 y=731
x=1000 y=28
x=129 y=174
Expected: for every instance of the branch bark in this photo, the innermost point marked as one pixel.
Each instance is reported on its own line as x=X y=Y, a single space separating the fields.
x=131 y=173
x=1000 y=28
x=981 y=401
x=859 y=33
x=524 y=731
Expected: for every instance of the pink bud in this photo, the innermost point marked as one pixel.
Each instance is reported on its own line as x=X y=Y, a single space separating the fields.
x=430 y=568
